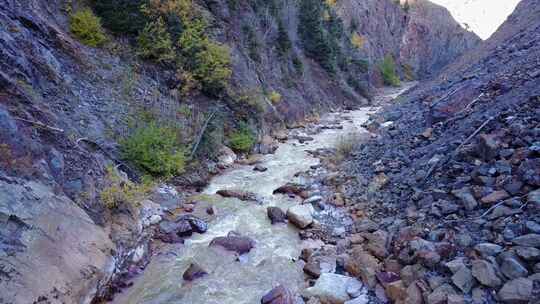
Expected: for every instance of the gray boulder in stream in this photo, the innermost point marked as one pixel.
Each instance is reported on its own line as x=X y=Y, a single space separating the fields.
x=234 y=242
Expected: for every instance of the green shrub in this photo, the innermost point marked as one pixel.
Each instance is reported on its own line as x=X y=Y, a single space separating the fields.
x=87 y=28
x=155 y=42
x=275 y=97
x=283 y=42
x=388 y=71
x=155 y=150
x=243 y=139
x=121 y=191
x=121 y=16
x=319 y=30
x=212 y=68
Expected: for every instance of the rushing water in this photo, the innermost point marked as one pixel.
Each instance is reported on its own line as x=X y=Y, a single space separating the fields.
x=245 y=279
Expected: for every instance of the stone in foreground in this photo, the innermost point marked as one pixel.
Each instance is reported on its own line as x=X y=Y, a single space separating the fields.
x=301 y=215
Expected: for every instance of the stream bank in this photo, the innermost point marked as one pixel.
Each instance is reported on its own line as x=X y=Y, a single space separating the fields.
x=226 y=276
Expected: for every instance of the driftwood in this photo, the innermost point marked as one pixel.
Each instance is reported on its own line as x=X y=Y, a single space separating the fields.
x=40 y=124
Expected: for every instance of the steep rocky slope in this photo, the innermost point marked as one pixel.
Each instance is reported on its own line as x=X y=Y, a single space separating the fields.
x=447 y=195
x=64 y=107
x=422 y=36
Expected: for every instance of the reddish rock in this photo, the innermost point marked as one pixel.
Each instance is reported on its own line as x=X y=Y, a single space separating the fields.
x=278 y=295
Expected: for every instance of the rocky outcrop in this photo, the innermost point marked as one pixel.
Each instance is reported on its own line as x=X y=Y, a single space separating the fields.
x=417 y=34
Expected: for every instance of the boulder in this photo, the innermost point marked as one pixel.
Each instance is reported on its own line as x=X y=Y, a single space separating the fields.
x=233 y=242
x=260 y=168
x=516 y=291
x=528 y=253
x=193 y=272
x=488 y=249
x=440 y=294
x=485 y=273
x=276 y=215
x=278 y=295
x=292 y=189
x=396 y=291
x=528 y=240
x=239 y=194
x=463 y=279
x=331 y=288
x=226 y=157
x=301 y=215
x=513 y=269
x=363 y=265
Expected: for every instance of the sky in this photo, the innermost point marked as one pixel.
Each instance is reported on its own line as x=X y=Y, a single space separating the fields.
x=482 y=16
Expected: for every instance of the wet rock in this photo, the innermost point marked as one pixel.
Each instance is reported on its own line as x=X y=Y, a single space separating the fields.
x=485 y=273
x=301 y=215
x=488 y=249
x=267 y=145
x=516 y=291
x=528 y=240
x=197 y=225
x=466 y=197
x=193 y=272
x=239 y=194
x=463 y=279
x=233 y=242
x=278 y=295
x=495 y=197
x=364 y=265
x=276 y=215
x=330 y=288
x=513 y=269
x=260 y=168
x=292 y=189
x=183 y=228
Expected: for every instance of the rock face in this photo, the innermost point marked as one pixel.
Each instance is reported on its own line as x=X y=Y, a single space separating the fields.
x=417 y=36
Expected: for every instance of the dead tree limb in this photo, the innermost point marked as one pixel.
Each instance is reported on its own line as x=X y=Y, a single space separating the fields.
x=201 y=134
x=456 y=151
x=40 y=124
